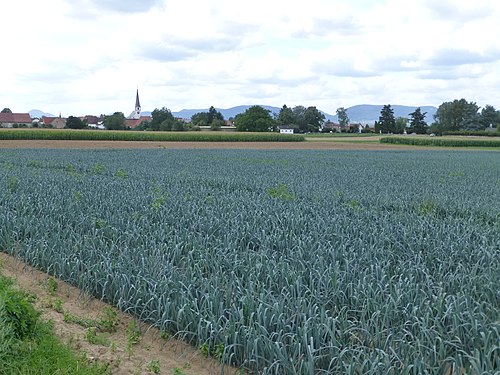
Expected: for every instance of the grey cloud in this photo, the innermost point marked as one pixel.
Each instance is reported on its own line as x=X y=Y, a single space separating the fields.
x=440 y=74
x=341 y=68
x=447 y=74
x=127 y=6
x=209 y=44
x=121 y=6
x=281 y=81
x=176 y=49
x=448 y=10
x=396 y=63
x=345 y=26
x=163 y=53
x=93 y=9
x=235 y=28
x=456 y=57
x=57 y=73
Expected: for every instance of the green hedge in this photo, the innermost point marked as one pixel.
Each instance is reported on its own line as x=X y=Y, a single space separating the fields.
x=103 y=135
x=442 y=142
x=480 y=133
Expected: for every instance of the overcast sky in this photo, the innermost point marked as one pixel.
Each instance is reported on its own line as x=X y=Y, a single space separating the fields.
x=88 y=56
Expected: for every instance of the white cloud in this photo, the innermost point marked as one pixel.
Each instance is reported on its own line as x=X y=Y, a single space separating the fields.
x=88 y=56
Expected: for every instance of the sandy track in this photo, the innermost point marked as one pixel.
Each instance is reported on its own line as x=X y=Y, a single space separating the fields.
x=313 y=145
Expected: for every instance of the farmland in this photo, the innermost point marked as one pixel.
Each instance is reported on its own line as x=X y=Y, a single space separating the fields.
x=276 y=261
x=129 y=136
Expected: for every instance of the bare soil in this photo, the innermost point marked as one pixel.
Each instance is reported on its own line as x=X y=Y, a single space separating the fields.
x=174 y=356
x=307 y=145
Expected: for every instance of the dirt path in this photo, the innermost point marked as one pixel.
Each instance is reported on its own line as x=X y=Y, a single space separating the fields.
x=173 y=356
x=308 y=145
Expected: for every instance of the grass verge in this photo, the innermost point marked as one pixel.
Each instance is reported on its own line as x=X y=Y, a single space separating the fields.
x=114 y=135
x=28 y=345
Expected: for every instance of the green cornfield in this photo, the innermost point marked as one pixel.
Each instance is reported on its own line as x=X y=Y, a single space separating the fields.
x=114 y=135
x=442 y=142
x=276 y=261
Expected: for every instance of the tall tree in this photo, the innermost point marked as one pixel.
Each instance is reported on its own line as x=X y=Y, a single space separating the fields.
x=200 y=119
x=6 y=110
x=162 y=119
x=386 y=122
x=286 y=116
x=313 y=119
x=255 y=119
x=471 y=120
x=213 y=114
x=417 y=122
x=74 y=123
x=453 y=116
x=342 y=116
x=115 y=122
x=400 y=125
x=299 y=117
x=490 y=116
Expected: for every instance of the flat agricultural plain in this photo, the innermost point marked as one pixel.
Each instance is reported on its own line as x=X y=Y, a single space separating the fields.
x=310 y=261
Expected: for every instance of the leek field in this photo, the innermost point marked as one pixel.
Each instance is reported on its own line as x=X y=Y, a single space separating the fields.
x=277 y=262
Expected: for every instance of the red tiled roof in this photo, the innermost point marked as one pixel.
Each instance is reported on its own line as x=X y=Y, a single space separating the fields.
x=15 y=118
x=91 y=119
x=49 y=120
x=133 y=123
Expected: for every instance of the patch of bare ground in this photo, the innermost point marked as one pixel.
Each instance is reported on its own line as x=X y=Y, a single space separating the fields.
x=307 y=145
x=135 y=348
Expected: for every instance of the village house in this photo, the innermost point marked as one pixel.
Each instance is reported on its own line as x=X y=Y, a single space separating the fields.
x=332 y=126
x=337 y=128
x=285 y=129
x=53 y=122
x=93 y=122
x=133 y=123
x=14 y=120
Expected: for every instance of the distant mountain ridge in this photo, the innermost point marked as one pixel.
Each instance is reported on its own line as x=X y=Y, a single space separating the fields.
x=36 y=113
x=363 y=113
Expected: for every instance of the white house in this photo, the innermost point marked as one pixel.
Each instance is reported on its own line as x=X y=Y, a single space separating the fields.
x=284 y=130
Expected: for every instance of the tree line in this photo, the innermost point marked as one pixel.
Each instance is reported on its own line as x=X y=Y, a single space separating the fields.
x=254 y=119
x=457 y=115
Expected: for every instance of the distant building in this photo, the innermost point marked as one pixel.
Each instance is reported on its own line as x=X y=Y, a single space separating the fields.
x=136 y=114
x=135 y=118
x=54 y=122
x=332 y=126
x=337 y=128
x=134 y=123
x=11 y=120
x=490 y=129
x=93 y=122
x=286 y=130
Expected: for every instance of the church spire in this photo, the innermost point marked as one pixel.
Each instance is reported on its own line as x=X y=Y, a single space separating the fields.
x=137 y=103
x=136 y=114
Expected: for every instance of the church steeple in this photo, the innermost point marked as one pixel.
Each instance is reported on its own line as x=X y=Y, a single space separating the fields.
x=136 y=114
x=137 y=105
